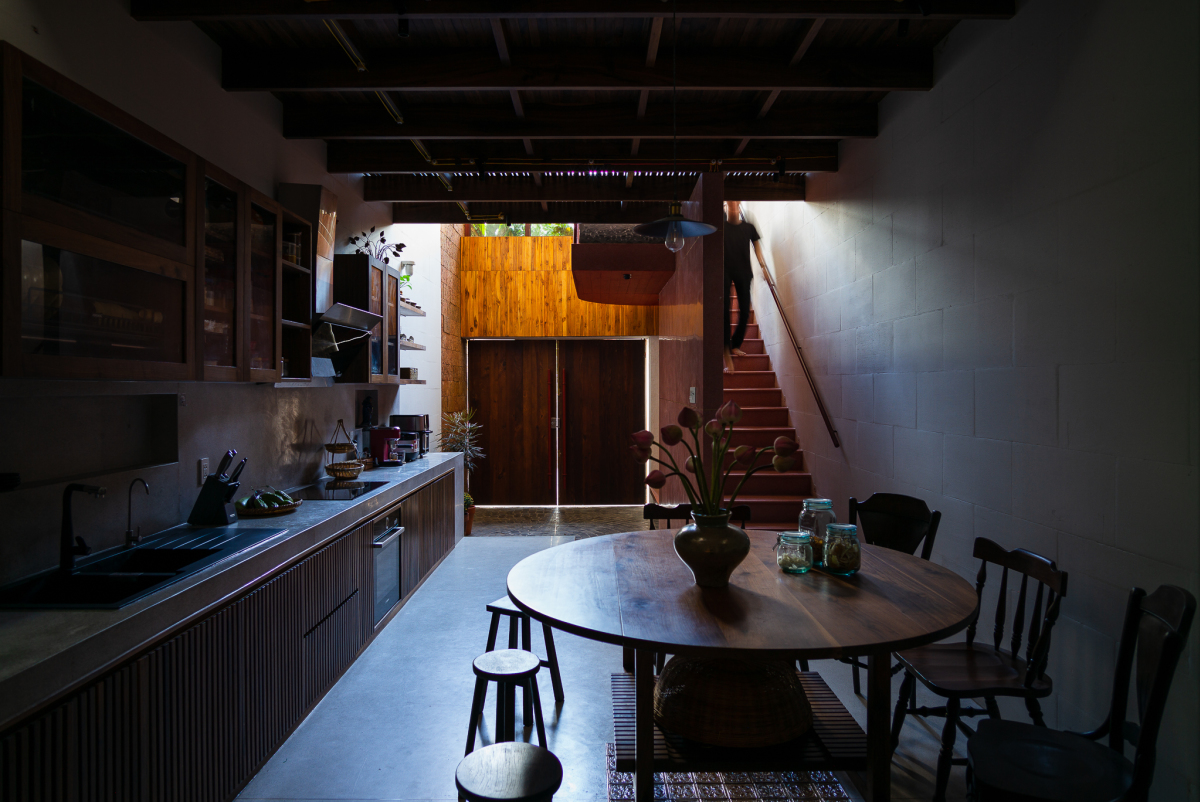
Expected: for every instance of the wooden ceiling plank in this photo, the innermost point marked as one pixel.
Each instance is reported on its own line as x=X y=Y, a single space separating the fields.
x=809 y=37
x=341 y=121
x=578 y=69
x=655 y=36
x=501 y=42
x=448 y=10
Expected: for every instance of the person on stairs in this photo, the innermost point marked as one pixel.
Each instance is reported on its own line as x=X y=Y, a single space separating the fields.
x=739 y=237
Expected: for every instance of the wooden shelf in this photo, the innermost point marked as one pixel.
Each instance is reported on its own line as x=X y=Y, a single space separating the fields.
x=296 y=267
x=405 y=309
x=406 y=381
x=405 y=345
x=291 y=324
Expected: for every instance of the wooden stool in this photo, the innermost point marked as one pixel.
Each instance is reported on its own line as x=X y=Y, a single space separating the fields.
x=508 y=668
x=505 y=606
x=510 y=772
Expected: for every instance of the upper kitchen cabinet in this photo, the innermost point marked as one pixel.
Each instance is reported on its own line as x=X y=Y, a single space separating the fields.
x=75 y=160
x=221 y=275
x=98 y=236
x=297 y=298
x=359 y=286
x=264 y=289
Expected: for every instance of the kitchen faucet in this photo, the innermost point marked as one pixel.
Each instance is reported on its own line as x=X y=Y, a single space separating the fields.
x=70 y=545
x=132 y=539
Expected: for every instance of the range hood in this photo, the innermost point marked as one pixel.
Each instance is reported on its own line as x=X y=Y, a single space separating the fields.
x=351 y=317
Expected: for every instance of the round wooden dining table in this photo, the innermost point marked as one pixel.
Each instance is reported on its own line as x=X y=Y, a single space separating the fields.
x=632 y=590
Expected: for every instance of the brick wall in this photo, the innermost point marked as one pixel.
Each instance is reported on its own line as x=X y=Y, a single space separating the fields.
x=454 y=371
x=999 y=299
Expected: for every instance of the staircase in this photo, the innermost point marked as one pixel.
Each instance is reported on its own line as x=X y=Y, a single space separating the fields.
x=775 y=499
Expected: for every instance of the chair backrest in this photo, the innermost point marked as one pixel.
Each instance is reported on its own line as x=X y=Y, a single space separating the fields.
x=896 y=522
x=1156 y=626
x=681 y=512
x=1051 y=587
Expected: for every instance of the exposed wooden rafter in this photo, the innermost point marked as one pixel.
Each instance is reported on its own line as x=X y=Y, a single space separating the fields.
x=532 y=212
x=398 y=156
x=583 y=187
x=613 y=121
x=594 y=69
x=196 y=10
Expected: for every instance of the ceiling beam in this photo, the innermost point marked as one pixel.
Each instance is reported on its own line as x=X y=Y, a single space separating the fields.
x=532 y=212
x=449 y=10
x=594 y=69
x=422 y=189
x=810 y=36
x=399 y=156
x=609 y=121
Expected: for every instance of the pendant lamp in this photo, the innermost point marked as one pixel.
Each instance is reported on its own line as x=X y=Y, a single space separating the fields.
x=674 y=228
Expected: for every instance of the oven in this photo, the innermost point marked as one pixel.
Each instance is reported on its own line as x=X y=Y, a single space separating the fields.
x=385 y=551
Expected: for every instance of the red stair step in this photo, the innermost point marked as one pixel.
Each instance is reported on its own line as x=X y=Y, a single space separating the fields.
x=773 y=508
x=753 y=362
x=753 y=346
x=752 y=332
x=760 y=436
x=743 y=379
x=764 y=416
x=771 y=483
x=757 y=397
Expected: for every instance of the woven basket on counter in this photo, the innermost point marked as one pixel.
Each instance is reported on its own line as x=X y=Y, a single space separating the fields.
x=350 y=469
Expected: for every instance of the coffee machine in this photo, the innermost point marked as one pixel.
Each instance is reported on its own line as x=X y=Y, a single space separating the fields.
x=419 y=424
x=382 y=438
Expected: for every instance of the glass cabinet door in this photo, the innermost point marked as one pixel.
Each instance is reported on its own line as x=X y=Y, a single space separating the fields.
x=76 y=305
x=263 y=267
x=72 y=157
x=220 y=275
x=376 y=299
x=393 y=326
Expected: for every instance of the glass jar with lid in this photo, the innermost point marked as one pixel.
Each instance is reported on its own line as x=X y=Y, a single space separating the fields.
x=843 y=555
x=817 y=514
x=793 y=552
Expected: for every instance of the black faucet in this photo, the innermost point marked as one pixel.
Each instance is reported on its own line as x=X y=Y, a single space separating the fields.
x=132 y=539
x=70 y=546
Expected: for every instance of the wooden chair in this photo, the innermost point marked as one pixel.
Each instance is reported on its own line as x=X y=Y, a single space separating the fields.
x=1010 y=760
x=509 y=772
x=894 y=522
x=682 y=512
x=957 y=671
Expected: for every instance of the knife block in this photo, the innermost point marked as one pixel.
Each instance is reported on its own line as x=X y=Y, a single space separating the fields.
x=212 y=508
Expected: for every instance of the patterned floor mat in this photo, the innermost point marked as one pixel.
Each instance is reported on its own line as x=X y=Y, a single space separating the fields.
x=780 y=786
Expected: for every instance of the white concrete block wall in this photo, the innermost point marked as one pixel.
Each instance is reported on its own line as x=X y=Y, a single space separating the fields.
x=1000 y=298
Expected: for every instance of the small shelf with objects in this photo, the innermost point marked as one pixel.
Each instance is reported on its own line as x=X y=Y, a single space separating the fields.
x=400 y=307
x=297 y=298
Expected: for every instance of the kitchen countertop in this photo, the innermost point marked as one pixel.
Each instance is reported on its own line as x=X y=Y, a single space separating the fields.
x=44 y=653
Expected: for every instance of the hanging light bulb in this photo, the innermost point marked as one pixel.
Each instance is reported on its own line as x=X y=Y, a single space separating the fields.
x=674 y=228
x=674 y=238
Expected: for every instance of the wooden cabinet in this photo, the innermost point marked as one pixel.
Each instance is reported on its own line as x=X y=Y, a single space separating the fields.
x=125 y=256
x=194 y=717
x=358 y=281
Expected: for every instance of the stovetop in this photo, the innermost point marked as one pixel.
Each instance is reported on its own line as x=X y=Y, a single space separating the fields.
x=335 y=490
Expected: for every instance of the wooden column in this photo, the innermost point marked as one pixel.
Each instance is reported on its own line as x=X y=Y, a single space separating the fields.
x=879 y=747
x=643 y=776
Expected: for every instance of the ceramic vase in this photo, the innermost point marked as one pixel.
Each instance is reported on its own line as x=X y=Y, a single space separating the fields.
x=712 y=548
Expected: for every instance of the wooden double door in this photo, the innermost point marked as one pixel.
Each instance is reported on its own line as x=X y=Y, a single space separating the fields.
x=556 y=416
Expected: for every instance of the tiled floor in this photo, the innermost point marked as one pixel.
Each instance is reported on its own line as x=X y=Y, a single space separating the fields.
x=576 y=522
x=394 y=727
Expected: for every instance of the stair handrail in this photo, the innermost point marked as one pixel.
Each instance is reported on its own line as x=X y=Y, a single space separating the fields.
x=833 y=434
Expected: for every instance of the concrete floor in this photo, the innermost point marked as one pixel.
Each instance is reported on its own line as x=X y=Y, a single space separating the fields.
x=394 y=727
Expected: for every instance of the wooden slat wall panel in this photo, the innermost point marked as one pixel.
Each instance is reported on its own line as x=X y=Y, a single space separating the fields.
x=522 y=287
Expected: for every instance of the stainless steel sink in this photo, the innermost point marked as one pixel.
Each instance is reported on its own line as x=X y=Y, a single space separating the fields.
x=116 y=579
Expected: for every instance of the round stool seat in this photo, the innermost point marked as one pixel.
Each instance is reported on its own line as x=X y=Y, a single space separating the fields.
x=506 y=664
x=509 y=772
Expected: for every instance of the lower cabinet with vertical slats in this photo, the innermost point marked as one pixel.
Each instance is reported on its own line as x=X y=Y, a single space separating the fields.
x=192 y=719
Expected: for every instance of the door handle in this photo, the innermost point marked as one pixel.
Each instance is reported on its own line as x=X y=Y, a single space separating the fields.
x=387 y=537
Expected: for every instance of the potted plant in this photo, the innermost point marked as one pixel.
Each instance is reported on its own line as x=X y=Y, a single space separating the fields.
x=468 y=513
x=709 y=545
x=460 y=433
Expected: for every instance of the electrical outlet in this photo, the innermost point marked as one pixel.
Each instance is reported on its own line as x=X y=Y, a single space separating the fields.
x=203 y=469
x=691 y=395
